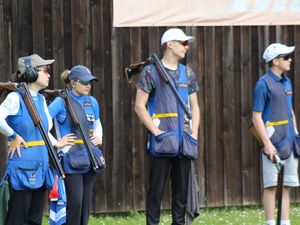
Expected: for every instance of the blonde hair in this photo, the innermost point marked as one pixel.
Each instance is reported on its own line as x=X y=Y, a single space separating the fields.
x=64 y=77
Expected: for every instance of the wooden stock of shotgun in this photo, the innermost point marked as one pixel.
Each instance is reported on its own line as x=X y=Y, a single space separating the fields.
x=64 y=93
x=24 y=91
x=137 y=68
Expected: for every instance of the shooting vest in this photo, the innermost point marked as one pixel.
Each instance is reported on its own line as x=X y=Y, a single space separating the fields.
x=31 y=171
x=279 y=117
x=167 y=113
x=76 y=160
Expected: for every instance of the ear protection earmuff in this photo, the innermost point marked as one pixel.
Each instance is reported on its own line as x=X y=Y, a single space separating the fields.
x=30 y=74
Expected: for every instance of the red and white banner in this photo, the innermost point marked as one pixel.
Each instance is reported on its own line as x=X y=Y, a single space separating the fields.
x=139 y=13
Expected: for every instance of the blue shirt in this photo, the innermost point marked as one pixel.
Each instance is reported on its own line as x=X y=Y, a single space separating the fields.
x=57 y=110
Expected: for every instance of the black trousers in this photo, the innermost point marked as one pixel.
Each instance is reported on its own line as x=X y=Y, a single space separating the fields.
x=26 y=207
x=159 y=170
x=79 y=191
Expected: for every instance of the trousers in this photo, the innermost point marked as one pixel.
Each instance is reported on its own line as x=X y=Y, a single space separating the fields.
x=26 y=207
x=160 y=168
x=79 y=192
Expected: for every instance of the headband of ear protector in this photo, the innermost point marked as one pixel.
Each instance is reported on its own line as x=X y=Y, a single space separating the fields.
x=30 y=74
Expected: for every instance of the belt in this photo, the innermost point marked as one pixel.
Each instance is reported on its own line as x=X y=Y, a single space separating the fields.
x=78 y=141
x=164 y=115
x=31 y=143
x=276 y=123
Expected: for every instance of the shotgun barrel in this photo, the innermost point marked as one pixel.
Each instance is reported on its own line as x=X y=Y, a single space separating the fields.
x=136 y=68
x=166 y=78
x=66 y=96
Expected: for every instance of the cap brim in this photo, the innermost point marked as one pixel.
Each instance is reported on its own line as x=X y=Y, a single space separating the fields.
x=187 y=38
x=45 y=62
x=88 y=78
x=190 y=38
x=288 y=50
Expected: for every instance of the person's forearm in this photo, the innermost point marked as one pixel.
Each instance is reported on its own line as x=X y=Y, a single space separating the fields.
x=261 y=130
x=5 y=129
x=195 y=111
x=98 y=130
x=295 y=122
x=144 y=116
x=52 y=139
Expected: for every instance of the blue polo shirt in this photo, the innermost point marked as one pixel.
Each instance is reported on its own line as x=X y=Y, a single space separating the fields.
x=261 y=97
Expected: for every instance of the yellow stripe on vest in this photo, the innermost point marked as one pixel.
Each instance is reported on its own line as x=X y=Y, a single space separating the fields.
x=276 y=123
x=164 y=115
x=78 y=141
x=31 y=143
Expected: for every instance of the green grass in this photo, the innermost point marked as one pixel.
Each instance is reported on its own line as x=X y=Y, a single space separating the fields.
x=213 y=216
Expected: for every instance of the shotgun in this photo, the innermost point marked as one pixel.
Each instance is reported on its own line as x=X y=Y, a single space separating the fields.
x=279 y=189
x=137 y=68
x=64 y=94
x=24 y=91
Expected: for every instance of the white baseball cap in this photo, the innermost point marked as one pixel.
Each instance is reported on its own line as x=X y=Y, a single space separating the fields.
x=175 y=34
x=276 y=49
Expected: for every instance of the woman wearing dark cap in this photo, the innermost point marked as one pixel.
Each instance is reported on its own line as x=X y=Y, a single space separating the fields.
x=27 y=167
x=80 y=177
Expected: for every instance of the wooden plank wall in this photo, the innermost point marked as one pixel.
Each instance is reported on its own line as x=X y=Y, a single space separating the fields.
x=227 y=61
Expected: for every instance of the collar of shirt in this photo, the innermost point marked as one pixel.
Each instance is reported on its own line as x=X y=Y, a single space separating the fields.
x=278 y=79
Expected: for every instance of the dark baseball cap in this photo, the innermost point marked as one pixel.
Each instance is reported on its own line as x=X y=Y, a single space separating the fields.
x=82 y=73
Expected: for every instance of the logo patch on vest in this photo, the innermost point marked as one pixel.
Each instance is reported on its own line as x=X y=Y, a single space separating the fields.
x=182 y=85
x=87 y=104
x=90 y=117
x=32 y=178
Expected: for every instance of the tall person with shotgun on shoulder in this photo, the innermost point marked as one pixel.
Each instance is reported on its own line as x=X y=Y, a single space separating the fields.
x=275 y=122
x=76 y=112
x=25 y=120
x=172 y=131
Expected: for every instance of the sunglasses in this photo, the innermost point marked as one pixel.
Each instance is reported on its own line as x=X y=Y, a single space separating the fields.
x=183 y=43
x=285 y=57
x=46 y=69
x=84 y=83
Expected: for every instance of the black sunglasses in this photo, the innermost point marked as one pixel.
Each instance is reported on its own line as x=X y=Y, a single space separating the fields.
x=285 y=57
x=85 y=83
x=184 y=43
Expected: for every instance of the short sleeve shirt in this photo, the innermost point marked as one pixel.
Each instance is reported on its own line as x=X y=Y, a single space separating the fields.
x=147 y=85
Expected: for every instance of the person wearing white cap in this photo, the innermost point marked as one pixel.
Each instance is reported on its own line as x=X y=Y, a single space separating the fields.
x=275 y=122
x=165 y=122
x=27 y=167
x=80 y=176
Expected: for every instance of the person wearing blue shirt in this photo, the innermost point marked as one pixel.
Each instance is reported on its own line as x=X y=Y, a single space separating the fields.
x=274 y=119
x=27 y=166
x=80 y=177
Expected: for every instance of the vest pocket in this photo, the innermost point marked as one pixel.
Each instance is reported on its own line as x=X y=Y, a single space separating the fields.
x=297 y=145
x=78 y=159
x=189 y=146
x=165 y=144
x=283 y=148
x=27 y=175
